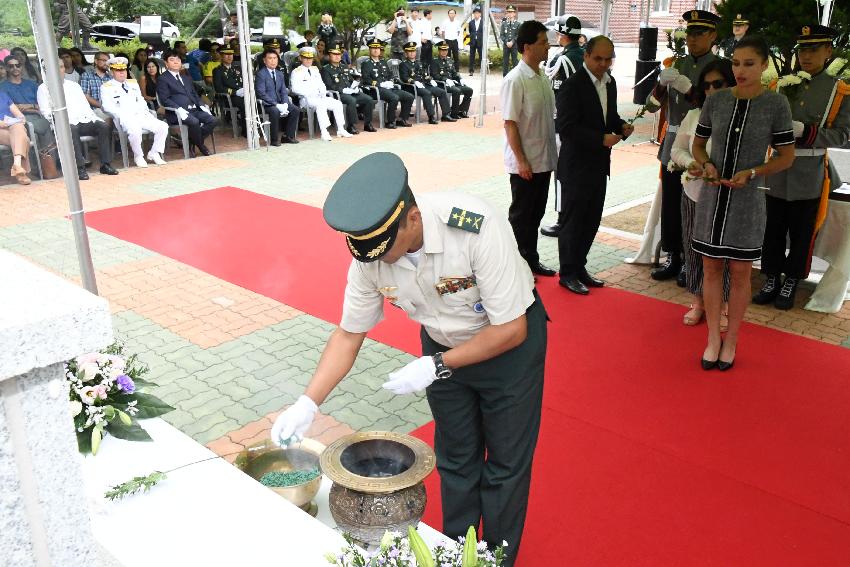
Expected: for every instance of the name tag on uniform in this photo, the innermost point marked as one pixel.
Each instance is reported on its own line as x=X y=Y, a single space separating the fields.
x=448 y=285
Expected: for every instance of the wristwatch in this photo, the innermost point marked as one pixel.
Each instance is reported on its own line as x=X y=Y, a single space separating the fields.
x=752 y=174
x=442 y=371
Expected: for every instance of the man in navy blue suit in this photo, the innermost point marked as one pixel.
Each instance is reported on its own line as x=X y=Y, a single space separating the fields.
x=272 y=92
x=177 y=91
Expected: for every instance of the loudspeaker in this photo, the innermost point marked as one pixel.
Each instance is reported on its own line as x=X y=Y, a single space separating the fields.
x=647 y=44
x=642 y=90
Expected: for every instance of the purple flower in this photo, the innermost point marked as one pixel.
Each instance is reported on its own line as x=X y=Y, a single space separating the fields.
x=126 y=383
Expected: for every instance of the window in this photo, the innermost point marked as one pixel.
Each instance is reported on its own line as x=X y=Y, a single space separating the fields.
x=660 y=6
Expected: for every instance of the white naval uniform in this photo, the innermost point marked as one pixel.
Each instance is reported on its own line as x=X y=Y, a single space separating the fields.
x=134 y=115
x=307 y=83
x=503 y=284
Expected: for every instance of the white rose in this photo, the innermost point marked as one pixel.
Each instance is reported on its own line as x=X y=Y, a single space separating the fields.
x=805 y=76
x=680 y=34
x=794 y=80
x=90 y=371
x=671 y=166
x=87 y=395
x=76 y=408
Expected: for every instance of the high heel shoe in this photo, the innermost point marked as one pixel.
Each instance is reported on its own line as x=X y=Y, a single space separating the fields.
x=723 y=365
x=709 y=364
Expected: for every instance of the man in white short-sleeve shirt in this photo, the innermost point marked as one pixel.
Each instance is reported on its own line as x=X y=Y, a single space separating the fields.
x=528 y=108
x=451 y=30
x=451 y=263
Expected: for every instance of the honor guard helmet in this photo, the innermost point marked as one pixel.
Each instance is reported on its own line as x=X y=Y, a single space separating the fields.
x=568 y=25
x=701 y=20
x=812 y=36
x=367 y=203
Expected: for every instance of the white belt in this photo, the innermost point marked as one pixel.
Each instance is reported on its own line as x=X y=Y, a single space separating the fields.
x=672 y=129
x=809 y=152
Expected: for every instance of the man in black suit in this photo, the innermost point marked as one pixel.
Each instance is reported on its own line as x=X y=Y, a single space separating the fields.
x=476 y=38
x=589 y=126
x=177 y=91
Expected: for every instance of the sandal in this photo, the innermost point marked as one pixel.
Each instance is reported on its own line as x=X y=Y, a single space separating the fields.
x=694 y=316
x=724 y=322
x=20 y=174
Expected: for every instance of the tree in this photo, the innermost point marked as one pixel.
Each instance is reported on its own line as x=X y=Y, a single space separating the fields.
x=352 y=18
x=778 y=21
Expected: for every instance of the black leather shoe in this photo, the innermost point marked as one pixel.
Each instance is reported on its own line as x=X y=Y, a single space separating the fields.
x=723 y=366
x=369 y=128
x=589 y=280
x=785 y=299
x=682 y=278
x=708 y=364
x=448 y=119
x=455 y=115
x=541 y=270
x=463 y=114
x=352 y=130
x=107 y=169
x=391 y=125
x=433 y=120
x=403 y=123
x=768 y=292
x=82 y=174
x=670 y=269
x=204 y=150
x=573 y=284
x=551 y=230
x=275 y=143
x=288 y=140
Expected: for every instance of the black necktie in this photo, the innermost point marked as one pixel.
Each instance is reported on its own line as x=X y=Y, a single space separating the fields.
x=124 y=85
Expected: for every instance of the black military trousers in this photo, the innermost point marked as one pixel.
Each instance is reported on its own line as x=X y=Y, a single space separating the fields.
x=393 y=97
x=427 y=94
x=581 y=218
x=486 y=419
x=353 y=102
x=457 y=104
x=671 y=210
x=528 y=205
x=792 y=221
x=509 y=53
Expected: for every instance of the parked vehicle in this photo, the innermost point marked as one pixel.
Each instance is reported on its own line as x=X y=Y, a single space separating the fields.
x=169 y=30
x=112 y=33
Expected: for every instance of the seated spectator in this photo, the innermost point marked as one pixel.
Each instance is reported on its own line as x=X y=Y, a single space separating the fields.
x=227 y=79
x=2 y=73
x=175 y=91
x=69 y=73
x=308 y=36
x=321 y=57
x=123 y=98
x=307 y=83
x=139 y=59
x=272 y=92
x=92 y=81
x=13 y=133
x=84 y=122
x=147 y=83
x=197 y=58
x=210 y=66
x=31 y=72
x=78 y=59
x=24 y=93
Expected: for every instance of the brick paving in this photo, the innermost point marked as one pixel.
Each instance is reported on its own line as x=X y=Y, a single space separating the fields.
x=229 y=359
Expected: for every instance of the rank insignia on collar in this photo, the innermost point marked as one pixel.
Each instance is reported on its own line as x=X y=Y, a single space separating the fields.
x=466 y=220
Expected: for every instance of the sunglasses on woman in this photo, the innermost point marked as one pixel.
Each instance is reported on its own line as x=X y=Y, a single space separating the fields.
x=718 y=84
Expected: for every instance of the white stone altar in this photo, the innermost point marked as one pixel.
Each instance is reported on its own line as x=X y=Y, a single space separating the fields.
x=44 y=321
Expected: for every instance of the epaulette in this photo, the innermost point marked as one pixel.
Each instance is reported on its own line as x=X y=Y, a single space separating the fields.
x=465 y=220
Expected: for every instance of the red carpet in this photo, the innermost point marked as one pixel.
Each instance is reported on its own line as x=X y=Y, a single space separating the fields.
x=643 y=458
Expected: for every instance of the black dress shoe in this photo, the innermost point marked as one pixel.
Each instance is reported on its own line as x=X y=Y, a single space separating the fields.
x=541 y=270
x=551 y=230
x=403 y=123
x=391 y=125
x=573 y=284
x=448 y=118
x=107 y=169
x=204 y=150
x=82 y=174
x=275 y=143
x=369 y=128
x=463 y=114
x=455 y=115
x=768 y=292
x=288 y=140
x=352 y=130
x=669 y=270
x=433 y=120
x=589 y=280
x=785 y=299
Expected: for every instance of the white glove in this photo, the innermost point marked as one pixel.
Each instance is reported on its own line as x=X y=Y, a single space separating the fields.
x=668 y=75
x=182 y=113
x=682 y=84
x=240 y=91
x=798 y=128
x=419 y=85
x=433 y=83
x=387 y=84
x=283 y=108
x=414 y=377
x=355 y=84
x=292 y=424
x=206 y=109
x=347 y=90
x=450 y=82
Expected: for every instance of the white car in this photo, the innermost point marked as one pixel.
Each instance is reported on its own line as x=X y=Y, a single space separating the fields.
x=169 y=30
x=112 y=33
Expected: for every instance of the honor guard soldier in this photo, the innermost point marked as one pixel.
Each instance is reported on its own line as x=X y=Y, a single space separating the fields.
x=675 y=86
x=507 y=35
x=308 y=84
x=443 y=69
x=561 y=67
x=798 y=197
x=227 y=79
x=740 y=25
x=122 y=98
x=376 y=73
x=340 y=78
x=450 y=261
x=412 y=72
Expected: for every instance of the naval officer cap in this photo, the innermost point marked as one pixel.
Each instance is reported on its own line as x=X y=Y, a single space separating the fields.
x=117 y=63
x=367 y=203
x=701 y=20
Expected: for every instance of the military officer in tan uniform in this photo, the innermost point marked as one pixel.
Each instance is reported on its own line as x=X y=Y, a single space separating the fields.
x=451 y=263
x=821 y=114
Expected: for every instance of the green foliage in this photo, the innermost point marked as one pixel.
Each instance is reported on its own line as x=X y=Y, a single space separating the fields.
x=778 y=21
x=15 y=15
x=352 y=18
x=136 y=484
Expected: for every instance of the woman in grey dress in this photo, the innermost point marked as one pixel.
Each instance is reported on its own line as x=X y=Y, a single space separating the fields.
x=742 y=122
